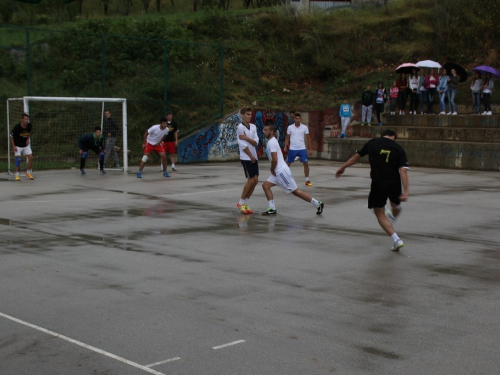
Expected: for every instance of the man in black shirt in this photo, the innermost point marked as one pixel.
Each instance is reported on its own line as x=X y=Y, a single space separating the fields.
x=20 y=142
x=110 y=131
x=388 y=170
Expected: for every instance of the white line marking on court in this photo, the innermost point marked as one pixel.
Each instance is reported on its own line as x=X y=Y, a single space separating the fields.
x=228 y=344
x=97 y=350
x=162 y=362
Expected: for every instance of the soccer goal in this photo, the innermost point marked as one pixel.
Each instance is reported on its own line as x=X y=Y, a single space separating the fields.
x=59 y=122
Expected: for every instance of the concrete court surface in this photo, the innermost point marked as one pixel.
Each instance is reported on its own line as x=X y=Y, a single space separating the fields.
x=118 y=275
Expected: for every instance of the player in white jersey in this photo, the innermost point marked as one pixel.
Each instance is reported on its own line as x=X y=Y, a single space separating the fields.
x=296 y=146
x=281 y=174
x=153 y=141
x=248 y=139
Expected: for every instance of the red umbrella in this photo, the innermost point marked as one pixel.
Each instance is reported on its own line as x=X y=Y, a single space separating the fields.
x=407 y=68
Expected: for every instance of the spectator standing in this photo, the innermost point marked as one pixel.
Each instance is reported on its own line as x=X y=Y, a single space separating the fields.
x=393 y=92
x=367 y=106
x=403 y=93
x=422 y=92
x=476 y=86
x=432 y=81
x=452 y=91
x=380 y=99
x=442 y=89
x=413 y=88
x=345 y=114
x=487 y=91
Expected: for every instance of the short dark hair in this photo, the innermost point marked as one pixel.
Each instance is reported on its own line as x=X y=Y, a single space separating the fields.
x=25 y=114
x=97 y=128
x=389 y=132
x=163 y=119
x=169 y=113
x=245 y=109
x=269 y=122
x=297 y=115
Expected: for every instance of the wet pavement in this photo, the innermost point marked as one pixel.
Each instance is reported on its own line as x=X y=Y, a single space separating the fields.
x=164 y=276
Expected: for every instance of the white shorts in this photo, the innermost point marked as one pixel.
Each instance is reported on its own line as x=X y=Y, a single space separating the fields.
x=23 y=151
x=284 y=180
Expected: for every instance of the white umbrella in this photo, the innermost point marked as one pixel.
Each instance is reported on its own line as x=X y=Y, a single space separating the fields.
x=429 y=64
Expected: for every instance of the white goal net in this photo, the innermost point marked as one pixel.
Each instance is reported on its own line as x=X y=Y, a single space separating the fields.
x=58 y=123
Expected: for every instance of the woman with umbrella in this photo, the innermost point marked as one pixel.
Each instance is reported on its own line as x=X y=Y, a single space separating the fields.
x=413 y=83
x=487 y=90
x=476 y=86
x=452 y=91
x=432 y=81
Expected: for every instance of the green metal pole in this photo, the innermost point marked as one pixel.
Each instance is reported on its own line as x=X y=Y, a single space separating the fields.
x=221 y=81
x=165 y=72
x=28 y=60
x=103 y=66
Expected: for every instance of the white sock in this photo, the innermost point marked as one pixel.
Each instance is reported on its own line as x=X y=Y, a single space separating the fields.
x=395 y=237
x=246 y=200
x=315 y=202
x=17 y=173
x=173 y=165
x=242 y=202
x=28 y=171
x=271 y=204
x=307 y=178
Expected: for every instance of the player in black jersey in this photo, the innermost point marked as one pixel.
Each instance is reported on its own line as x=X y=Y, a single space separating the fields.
x=20 y=142
x=388 y=171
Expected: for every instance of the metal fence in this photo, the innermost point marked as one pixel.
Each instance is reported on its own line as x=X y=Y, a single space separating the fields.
x=155 y=75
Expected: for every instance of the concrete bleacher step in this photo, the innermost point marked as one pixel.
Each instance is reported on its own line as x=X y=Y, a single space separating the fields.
x=417 y=132
x=461 y=121
x=427 y=153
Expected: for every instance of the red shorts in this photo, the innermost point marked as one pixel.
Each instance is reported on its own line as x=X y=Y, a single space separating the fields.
x=170 y=147
x=149 y=147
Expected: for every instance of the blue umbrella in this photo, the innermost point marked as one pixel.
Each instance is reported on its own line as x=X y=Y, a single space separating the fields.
x=483 y=69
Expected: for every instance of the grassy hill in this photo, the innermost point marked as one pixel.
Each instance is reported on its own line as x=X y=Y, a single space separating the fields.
x=282 y=58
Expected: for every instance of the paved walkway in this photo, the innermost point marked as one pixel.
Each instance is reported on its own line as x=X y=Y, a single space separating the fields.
x=118 y=275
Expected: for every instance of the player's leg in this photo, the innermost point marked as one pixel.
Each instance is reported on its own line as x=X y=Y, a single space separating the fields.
x=316 y=203
x=377 y=200
x=163 y=157
x=252 y=174
x=17 y=162
x=100 y=154
x=83 y=159
x=144 y=159
x=29 y=167
x=291 y=156
x=266 y=186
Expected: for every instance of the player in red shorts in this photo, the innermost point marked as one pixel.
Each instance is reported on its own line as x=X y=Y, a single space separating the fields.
x=153 y=141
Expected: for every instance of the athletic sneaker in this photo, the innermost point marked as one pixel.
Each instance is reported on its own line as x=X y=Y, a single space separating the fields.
x=320 y=208
x=103 y=171
x=248 y=210
x=173 y=168
x=309 y=183
x=368 y=124
x=165 y=174
x=28 y=175
x=139 y=174
x=269 y=211
x=242 y=208
x=397 y=245
x=17 y=178
x=362 y=124
x=82 y=171
x=390 y=216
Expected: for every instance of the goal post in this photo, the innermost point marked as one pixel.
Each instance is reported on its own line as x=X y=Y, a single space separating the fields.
x=58 y=122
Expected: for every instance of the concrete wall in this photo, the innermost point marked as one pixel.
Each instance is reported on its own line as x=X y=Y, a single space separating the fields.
x=218 y=141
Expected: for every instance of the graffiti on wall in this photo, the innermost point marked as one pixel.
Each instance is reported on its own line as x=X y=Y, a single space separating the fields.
x=219 y=140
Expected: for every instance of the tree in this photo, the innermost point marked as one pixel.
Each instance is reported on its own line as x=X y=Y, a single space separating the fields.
x=158 y=3
x=106 y=5
x=145 y=4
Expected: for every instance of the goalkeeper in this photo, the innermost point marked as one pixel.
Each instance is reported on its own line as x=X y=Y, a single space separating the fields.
x=92 y=142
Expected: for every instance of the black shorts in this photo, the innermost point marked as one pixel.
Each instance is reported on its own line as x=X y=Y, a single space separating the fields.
x=251 y=169
x=379 y=193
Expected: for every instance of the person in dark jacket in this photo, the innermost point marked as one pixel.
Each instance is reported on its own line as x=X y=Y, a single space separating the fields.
x=367 y=99
x=110 y=131
x=92 y=142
